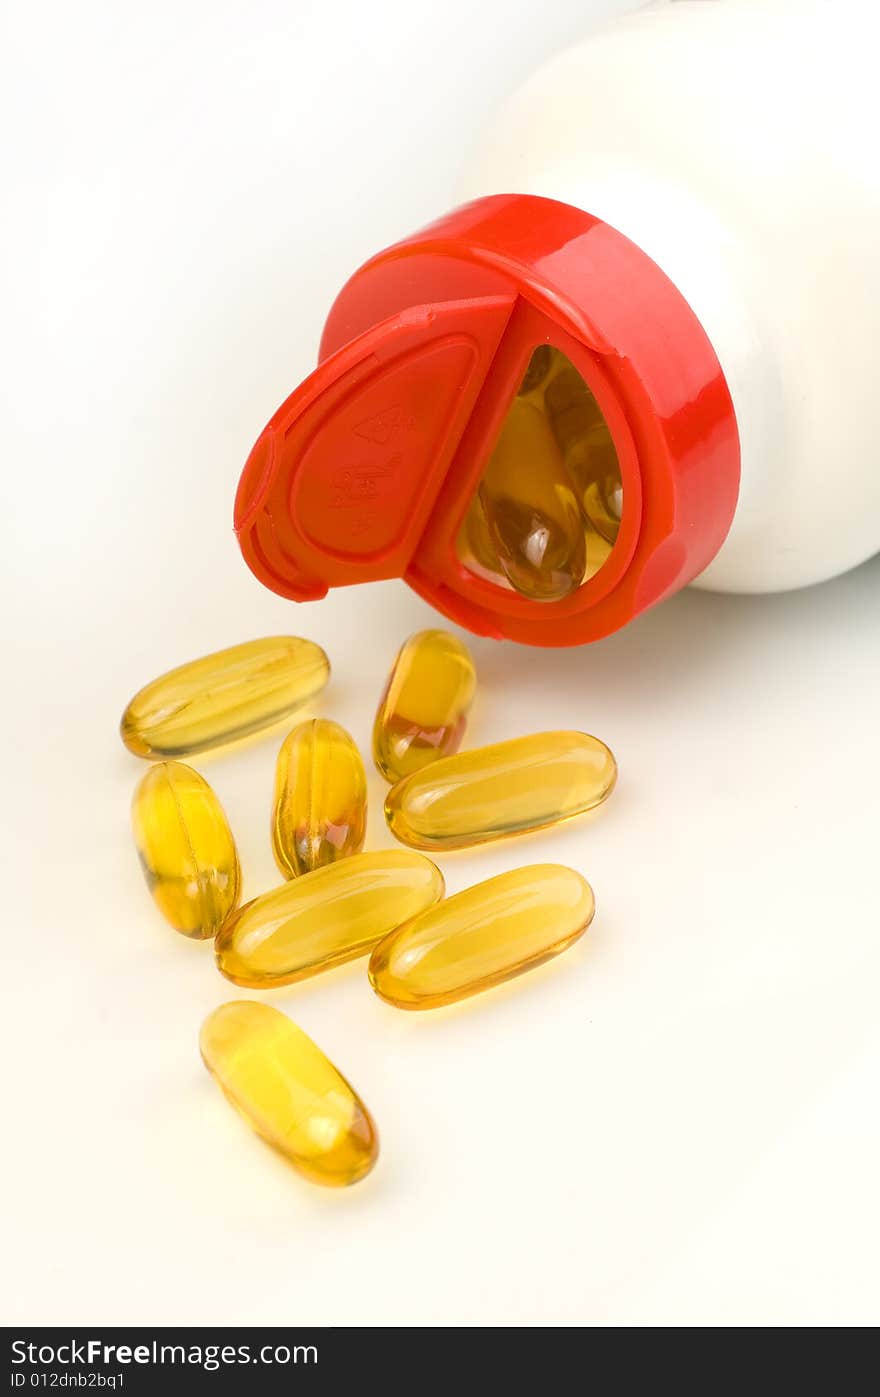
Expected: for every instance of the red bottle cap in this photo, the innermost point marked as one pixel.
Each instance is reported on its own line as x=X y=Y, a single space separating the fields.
x=369 y=467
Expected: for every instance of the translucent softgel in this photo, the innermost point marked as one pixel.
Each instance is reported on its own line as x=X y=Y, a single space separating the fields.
x=319 y=813
x=289 y=1092
x=186 y=849
x=423 y=711
x=492 y=792
x=323 y=918
x=223 y=697
x=548 y=507
x=482 y=936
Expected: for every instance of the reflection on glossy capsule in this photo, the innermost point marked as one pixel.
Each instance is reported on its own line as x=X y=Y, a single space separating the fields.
x=491 y=792
x=475 y=544
x=482 y=936
x=320 y=810
x=186 y=849
x=532 y=512
x=588 y=450
x=603 y=501
x=223 y=697
x=289 y=1092
x=423 y=712
x=324 y=918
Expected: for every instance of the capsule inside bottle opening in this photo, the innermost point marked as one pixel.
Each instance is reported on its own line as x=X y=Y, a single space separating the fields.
x=323 y=918
x=289 y=1092
x=319 y=813
x=224 y=697
x=507 y=788
x=482 y=936
x=423 y=711
x=547 y=511
x=186 y=849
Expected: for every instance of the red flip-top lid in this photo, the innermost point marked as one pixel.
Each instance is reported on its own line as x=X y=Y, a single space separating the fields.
x=369 y=467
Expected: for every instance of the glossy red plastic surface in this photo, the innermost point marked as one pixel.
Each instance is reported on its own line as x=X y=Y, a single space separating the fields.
x=367 y=470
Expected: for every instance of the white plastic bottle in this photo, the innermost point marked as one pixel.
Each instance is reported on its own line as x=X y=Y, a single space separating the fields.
x=680 y=217
x=737 y=143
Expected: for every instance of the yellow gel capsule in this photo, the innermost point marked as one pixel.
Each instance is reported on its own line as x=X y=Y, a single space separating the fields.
x=482 y=936
x=289 y=1092
x=223 y=697
x=475 y=544
x=533 y=515
x=508 y=788
x=186 y=849
x=571 y=409
x=324 y=918
x=602 y=498
x=588 y=450
x=423 y=712
x=320 y=809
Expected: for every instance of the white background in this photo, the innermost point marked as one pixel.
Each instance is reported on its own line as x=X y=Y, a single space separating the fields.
x=674 y=1123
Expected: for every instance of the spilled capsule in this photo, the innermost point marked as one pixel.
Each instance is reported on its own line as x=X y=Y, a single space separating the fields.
x=289 y=1092
x=319 y=814
x=323 y=918
x=224 y=696
x=422 y=714
x=186 y=849
x=482 y=936
x=507 y=788
x=532 y=513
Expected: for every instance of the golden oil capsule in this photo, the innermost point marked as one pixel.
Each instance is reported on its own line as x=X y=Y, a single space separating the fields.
x=289 y=1092
x=475 y=543
x=588 y=450
x=320 y=811
x=602 y=498
x=491 y=792
x=533 y=515
x=482 y=936
x=186 y=849
x=324 y=918
x=422 y=714
x=223 y=697
x=572 y=410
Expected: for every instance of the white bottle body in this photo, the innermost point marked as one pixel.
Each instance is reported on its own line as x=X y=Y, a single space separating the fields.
x=735 y=141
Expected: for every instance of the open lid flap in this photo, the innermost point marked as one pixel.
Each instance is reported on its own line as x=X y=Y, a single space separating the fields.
x=340 y=484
